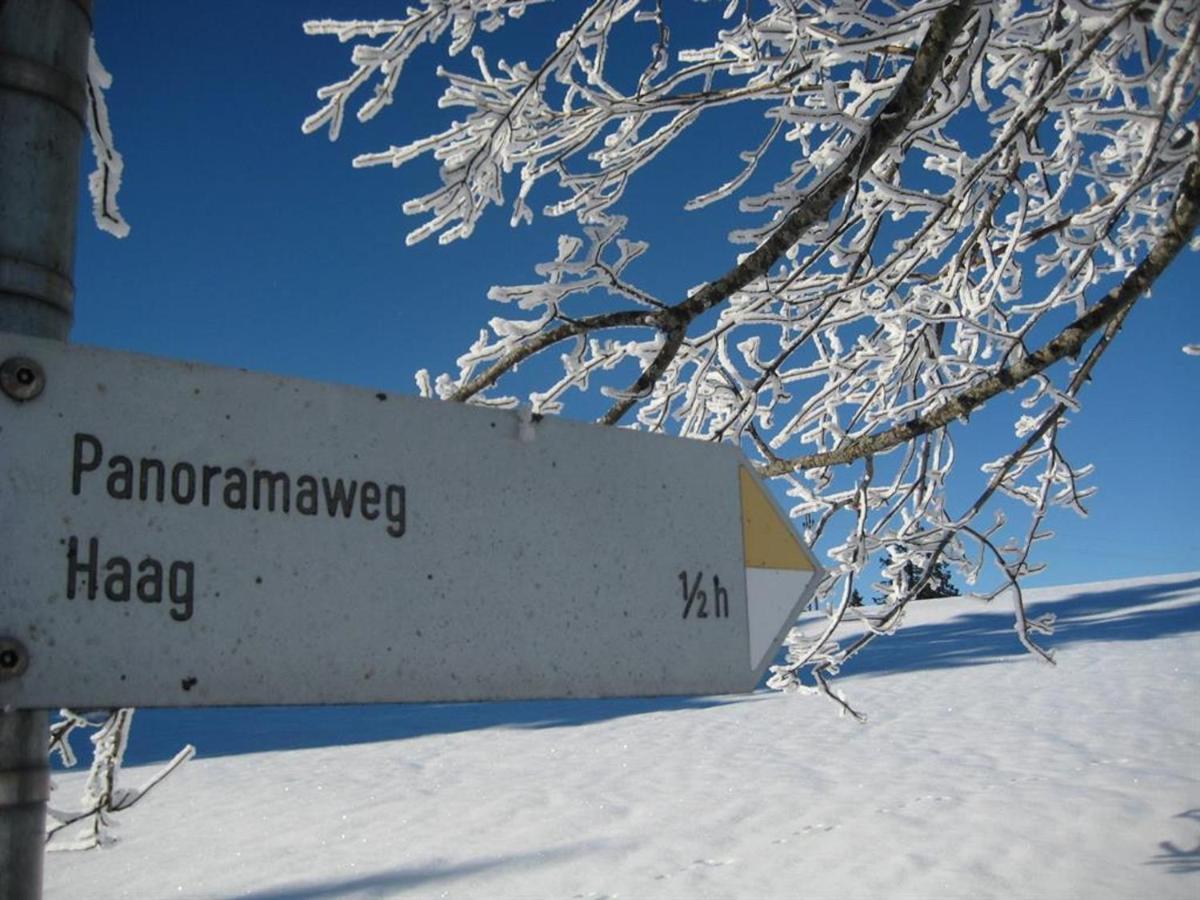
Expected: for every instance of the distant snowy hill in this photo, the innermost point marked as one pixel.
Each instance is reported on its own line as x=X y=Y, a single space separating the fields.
x=981 y=773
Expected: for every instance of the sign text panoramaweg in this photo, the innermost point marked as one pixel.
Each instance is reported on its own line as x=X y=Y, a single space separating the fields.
x=144 y=479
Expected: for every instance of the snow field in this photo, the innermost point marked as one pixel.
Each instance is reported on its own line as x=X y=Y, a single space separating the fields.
x=981 y=773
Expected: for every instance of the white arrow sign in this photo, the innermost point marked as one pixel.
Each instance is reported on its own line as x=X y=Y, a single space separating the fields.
x=178 y=535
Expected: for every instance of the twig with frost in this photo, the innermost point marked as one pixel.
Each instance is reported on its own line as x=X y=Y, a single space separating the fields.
x=105 y=180
x=102 y=795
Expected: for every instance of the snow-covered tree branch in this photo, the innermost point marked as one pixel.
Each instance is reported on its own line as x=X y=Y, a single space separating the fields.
x=939 y=204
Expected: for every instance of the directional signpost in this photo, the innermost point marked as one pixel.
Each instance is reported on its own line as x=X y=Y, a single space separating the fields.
x=175 y=535
x=179 y=535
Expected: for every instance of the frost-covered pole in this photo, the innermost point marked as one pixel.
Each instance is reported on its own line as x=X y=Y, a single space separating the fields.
x=43 y=98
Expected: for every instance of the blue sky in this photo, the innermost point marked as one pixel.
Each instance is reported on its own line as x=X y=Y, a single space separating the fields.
x=255 y=246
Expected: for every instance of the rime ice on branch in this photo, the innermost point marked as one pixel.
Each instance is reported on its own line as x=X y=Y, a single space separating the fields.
x=105 y=180
x=941 y=203
x=90 y=825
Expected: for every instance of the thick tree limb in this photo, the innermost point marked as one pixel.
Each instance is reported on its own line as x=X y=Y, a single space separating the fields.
x=818 y=203
x=880 y=134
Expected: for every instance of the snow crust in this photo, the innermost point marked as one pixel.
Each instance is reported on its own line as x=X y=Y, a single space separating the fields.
x=981 y=773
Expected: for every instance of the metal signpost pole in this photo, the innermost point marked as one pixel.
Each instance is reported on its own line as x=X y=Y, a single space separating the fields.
x=43 y=96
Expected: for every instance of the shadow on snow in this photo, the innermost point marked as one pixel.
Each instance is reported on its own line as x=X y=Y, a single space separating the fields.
x=389 y=884
x=1137 y=613
x=1179 y=860
x=159 y=733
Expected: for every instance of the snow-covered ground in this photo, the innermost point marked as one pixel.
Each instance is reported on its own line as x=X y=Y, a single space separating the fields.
x=981 y=773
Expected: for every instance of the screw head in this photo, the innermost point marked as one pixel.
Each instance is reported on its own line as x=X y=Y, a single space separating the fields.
x=14 y=659
x=21 y=378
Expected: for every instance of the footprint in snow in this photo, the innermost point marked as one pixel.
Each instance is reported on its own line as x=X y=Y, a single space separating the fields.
x=699 y=863
x=818 y=828
x=927 y=798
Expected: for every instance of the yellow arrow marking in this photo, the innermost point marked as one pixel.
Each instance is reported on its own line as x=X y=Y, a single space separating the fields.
x=767 y=537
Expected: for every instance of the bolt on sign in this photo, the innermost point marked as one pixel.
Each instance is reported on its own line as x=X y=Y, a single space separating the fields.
x=179 y=535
